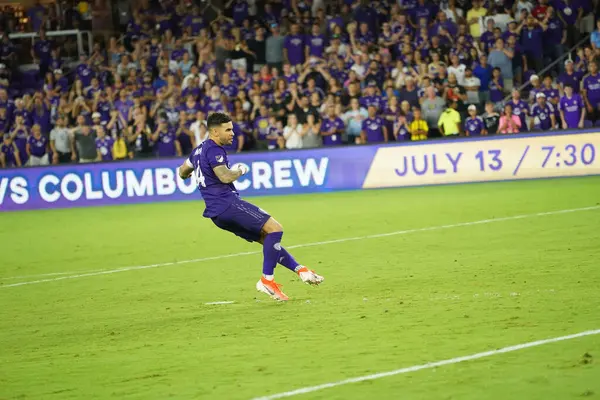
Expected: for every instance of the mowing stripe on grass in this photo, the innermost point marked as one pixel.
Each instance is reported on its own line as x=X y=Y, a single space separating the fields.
x=414 y=368
x=214 y=303
x=296 y=246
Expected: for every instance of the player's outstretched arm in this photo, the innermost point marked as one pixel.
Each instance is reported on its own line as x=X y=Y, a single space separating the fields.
x=227 y=175
x=185 y=170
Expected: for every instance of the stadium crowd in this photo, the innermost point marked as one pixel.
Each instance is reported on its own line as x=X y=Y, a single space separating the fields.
x=301 y=74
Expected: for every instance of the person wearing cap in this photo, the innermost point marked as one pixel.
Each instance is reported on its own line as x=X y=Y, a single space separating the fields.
x=542 y=114
x=536 y=87
x=474 y=124
x=570 y=76
x=572 y=109
x=449 y=123
x=472 y=85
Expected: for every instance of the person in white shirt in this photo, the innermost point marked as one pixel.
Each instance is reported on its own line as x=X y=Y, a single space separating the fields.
x=457 y=69
x=472 y=85
x=199 y=129
x=292 y=133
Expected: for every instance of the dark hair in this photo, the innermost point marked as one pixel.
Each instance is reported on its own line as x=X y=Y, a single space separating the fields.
x=217 y=119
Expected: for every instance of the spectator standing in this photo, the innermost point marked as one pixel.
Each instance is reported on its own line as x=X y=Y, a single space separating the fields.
x=542 y=114
x=274 y=48
x=9 y=154
x=418 y=128
x=509 y=122
x=311 y=133
x=450 y=121
x=332 y=128
x=373 y=128
x=432 y=108
x=472 y=86
x=501 y=58
x=353 y=119
x=60 y=142
x=491 y=118
x=483 y=71
x=572 y=109
x=37 y=147
x=84 y=143
x=570 y=76
x=474 y=124
x=474 y=16
x=590 y=87
x=292 y=133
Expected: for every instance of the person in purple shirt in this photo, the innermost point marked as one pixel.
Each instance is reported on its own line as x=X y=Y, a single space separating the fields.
x=570 y=76
x=590 y=87
x=371 y=97
x=554 y=37
x=37 y=147
x=332 y=128
x=84 y=71
x=123 y=105
x=166 y=141
x=422 y=10
x=551 y=92
x=215 y=178
x=41 y=51
x=532 y=33
x=104 y=145
x=36 y=16
x=41 y=113
x=9 y=154
x=542 y=114
x=227 y=87
x=443 y=23
x=474 y=125
x=373 y=128
x=364 y=36
x=519 y=108
x=315 y=43
x=293 y=47
x=19 y=135
x=194 y=21
x=239 y=11
x=572 y=109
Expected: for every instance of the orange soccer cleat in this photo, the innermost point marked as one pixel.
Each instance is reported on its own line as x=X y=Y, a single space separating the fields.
x=271 y=288
x=309 y=277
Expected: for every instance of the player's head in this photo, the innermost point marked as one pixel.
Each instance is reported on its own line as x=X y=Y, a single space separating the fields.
x=220 y=128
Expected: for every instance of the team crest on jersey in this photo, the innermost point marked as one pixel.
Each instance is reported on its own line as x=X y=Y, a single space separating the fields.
x=219 y=158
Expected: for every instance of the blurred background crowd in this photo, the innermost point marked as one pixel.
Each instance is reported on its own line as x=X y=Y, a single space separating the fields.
x=292 y=73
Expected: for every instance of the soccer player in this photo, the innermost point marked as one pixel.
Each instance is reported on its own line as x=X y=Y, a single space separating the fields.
x=229 y=212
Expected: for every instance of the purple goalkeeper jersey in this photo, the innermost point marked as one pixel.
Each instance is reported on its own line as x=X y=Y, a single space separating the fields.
x=571 y=108
x=217 y=195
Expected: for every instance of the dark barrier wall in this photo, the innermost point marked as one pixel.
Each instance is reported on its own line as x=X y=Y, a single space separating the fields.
x=316 y=170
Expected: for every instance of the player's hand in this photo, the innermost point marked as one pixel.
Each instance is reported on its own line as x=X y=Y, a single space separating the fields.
x=243 y=168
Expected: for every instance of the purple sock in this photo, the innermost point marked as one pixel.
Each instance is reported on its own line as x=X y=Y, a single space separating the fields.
x=287 y=260
x=271 y=251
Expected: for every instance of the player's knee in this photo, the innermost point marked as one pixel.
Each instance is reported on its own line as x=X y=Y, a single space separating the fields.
x=272 y=226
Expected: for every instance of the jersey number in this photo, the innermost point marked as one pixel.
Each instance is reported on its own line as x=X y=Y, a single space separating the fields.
x=199 y=177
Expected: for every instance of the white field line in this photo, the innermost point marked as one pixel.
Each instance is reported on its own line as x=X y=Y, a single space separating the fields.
x=414 y=368
x=343 y=240
x=50 y=274
x=213 y=303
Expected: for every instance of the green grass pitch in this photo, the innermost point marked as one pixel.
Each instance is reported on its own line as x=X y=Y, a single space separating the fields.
x=388 y=302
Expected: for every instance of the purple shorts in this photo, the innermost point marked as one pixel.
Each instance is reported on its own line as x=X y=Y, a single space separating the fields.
x=242 y=219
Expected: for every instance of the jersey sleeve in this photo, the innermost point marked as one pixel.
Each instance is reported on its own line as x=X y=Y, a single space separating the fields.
x=216 y=156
